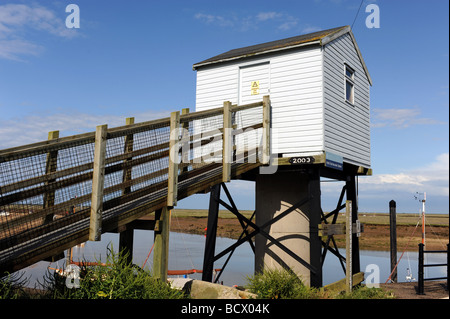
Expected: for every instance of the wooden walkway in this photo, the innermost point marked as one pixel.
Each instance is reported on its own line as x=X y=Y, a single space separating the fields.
x=61 y=192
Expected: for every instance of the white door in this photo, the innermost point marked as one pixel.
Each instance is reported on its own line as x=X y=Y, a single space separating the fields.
x=254 y=83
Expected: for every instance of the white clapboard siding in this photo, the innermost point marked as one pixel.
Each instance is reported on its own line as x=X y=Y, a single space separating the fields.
x=293 y=79
x=296 y=98
x=307 y=92
x=346 y=126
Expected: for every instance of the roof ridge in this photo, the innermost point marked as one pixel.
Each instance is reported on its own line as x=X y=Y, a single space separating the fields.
x=270 y=46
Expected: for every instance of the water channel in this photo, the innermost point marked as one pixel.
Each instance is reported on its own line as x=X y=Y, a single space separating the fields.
x=186 y=252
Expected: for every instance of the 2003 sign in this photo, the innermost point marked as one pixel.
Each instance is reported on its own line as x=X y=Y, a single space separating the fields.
x=302 y=160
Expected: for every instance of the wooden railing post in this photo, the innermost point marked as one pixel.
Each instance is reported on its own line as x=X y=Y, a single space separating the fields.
x=266 y=130
x=172 y=187
x=227 y=149
x=98 y=178
x=126 y=237
x=128 y=148
x=185 y=149
x=51 y=166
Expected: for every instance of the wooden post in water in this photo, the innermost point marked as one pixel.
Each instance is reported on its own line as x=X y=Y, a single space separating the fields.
x=161 y=248
x=393 y=236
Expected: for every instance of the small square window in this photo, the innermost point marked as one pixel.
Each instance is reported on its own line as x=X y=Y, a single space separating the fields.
x=349 y=72
x=349 y=84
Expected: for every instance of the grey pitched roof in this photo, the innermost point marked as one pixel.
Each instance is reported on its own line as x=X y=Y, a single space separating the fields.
x=320 y=37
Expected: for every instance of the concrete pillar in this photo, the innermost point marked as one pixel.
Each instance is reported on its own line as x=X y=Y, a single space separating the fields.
x=275 y=193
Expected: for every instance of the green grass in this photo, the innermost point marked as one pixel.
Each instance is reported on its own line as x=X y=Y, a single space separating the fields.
x=284 y=284
x=117 y=280
x=280 y=284
x=12 y=286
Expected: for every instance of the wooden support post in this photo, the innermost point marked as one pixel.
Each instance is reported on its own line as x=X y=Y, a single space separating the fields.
x=227 y=156
x=172 y=186
x=126 y=236
x=393 y=237
x=161 y=241
x=266 y=130
x=50 y=166
x=95 y=226
x=315 y=242
x=211 y=233
x=348 y=245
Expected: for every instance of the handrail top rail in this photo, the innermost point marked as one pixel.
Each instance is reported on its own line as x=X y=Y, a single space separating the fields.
x=46 y=146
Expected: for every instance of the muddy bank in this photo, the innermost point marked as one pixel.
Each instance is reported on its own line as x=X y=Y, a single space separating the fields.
x=408 y=290
x=375 y=237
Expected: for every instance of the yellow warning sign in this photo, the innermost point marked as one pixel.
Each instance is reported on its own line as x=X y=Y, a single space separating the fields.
x=255 y=87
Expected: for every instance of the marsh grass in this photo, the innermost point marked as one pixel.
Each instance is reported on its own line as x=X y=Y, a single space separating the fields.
x=285 y=284
x=118 y=279
x=280 y=284
x=12 y=286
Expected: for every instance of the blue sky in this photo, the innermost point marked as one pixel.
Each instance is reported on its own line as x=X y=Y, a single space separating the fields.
x=134 y=58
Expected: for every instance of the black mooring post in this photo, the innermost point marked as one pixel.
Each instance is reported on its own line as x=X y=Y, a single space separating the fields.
x=447 y=266
x=393 y=233
x=420 y=281
x=353 y=196
x=211 y=233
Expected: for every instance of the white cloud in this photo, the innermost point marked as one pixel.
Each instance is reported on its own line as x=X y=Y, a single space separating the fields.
x=14 y=48
x=215 y=19
x=291 y=23
x=400 y=118
x=376 y=191
x=432 y=178
x=15 y=22
x=311 y=29
x=264 y=16
x=284 y=21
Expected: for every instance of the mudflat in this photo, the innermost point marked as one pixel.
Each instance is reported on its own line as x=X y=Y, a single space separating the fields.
x=376 y=235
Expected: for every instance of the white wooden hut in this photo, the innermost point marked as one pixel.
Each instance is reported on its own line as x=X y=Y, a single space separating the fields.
x=319 y=88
